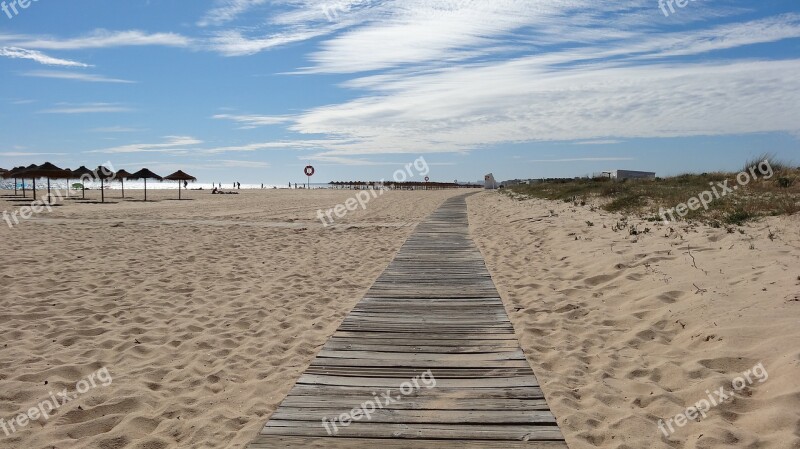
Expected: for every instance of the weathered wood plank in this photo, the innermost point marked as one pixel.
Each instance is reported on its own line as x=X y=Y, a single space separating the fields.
x=274 y=442
x=420 y=431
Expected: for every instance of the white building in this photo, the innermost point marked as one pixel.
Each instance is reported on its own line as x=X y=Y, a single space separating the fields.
x=631 y=174
x=489 y=182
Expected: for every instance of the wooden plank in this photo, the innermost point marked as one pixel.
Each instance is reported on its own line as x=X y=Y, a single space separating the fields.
x=421 y=431
x=282 y=442
x=408 y=355
x=418 y=416
x=365 y=393
x=309 y=379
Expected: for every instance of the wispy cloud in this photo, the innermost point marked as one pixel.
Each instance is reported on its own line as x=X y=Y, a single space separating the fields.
x=100 y=39
x=37 y=56
x=230 y=163
x=464 y=108
x=227 y=10
x=115 y=129
x=26 y=154
x=597 y=142
x=458 y=76
x=586 y=159
x=86 y=108
x=75 y=76
x=172 y=144
x=254 y=121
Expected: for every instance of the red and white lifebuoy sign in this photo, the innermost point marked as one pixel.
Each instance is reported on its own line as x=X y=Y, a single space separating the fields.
x=309 y=170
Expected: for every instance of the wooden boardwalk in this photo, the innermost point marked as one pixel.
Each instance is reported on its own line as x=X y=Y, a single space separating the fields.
x=434 y=310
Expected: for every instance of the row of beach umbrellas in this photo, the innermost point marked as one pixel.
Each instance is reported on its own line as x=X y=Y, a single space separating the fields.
x=102 y=174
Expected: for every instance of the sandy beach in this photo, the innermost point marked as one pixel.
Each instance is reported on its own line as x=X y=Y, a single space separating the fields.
x=625 y=330
x=205 y=313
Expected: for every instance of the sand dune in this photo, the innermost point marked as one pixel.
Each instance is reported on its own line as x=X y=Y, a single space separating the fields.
x=624 y=330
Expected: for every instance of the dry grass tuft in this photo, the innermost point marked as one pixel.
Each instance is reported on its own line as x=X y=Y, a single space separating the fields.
x=778 y=195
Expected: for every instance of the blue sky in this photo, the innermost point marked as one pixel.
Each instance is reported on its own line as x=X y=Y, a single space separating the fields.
x=253 y=90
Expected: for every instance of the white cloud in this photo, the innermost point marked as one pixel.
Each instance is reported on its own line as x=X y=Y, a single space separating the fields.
x=228 y=10
x=74 y=76
x=586 y=159
x=229 y=163
x=171 y=145
x=37 y=56
x=86 y=108
x=466 y=107
x=453 y=76
x=25 y=154
x=597 y=142
x=100 y=39
x=254 y=121
x=115 y=129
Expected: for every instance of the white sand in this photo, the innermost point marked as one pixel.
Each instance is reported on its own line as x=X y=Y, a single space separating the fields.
x=228 y=297
x=620 y=337
x=205 y=313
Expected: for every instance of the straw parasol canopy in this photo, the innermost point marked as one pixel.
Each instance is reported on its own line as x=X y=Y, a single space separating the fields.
x=180 y=177
x=22 y=172
x=12 y=174
x=16 y=173
x=82 y=173
x=49 y=171
x=145 y=174
x=30 y=171
x=122 y=175
x=103 y=173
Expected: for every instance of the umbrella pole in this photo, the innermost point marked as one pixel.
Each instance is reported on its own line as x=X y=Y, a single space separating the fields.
x=48 y=190
x=102 y=191
x=15 y=186
x=123 y=188
x=24 y=195
x=179 y=190
x=145 y=189
x=34 y=189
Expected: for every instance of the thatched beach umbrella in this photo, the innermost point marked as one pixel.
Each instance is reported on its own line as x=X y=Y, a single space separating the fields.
x=14 y=174
x=29 y=171
x=82 y=173
x=49 y=171
x=103 y=173
x=145 y=174
x=122 y=175
x=180 y=177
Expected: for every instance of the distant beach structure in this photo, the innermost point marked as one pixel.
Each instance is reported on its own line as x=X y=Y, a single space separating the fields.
x=489 y=182
x=630 y=174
